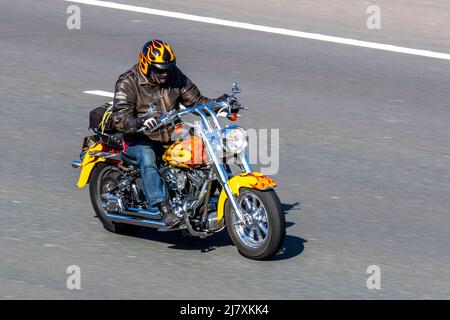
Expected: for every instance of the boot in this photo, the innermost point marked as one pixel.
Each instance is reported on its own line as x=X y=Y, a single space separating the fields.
x=169 y=217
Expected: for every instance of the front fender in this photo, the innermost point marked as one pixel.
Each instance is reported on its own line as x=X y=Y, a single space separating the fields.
x=252 y=180
x=89 y=162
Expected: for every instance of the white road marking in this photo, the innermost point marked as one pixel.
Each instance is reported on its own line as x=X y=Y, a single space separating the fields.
x=100 y=93
x=255 y=27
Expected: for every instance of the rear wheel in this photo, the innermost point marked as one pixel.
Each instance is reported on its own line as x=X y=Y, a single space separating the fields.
x=261 y=234
x=104 y=179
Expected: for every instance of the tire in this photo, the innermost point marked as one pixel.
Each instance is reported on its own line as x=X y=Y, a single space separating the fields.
x=104 y=172
x=267 y=246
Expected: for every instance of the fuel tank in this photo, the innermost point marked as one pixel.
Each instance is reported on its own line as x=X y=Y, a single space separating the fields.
x=187 y=153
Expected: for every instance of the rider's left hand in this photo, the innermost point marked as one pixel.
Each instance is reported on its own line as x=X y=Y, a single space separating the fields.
x=234 y=103
x=223 y=97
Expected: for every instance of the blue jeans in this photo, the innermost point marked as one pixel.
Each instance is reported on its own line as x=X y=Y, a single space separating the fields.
x=144 y=152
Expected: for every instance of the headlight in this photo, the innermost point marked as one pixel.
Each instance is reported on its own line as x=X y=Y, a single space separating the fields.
x=234 y=139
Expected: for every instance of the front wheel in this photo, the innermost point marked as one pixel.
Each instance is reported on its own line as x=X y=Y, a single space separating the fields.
x=261 y=234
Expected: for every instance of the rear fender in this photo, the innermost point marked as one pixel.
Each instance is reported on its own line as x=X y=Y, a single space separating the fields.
x=251 y=180
x=89 y=162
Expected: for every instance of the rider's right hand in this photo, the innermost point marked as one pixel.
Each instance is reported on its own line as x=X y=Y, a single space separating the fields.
x=150 y=123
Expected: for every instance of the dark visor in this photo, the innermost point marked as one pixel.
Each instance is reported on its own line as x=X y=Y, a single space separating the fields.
x=164 y=66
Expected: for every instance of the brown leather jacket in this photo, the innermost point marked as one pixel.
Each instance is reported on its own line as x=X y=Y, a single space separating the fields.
x=134 y=94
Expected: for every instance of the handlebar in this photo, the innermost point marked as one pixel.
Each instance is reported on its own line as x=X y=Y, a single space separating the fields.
x=158 y=126
x=173 y=115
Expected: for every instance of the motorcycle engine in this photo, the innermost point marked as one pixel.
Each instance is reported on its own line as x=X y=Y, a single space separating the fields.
x=176 y=179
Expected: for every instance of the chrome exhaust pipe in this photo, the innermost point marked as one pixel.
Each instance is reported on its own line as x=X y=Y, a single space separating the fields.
x=141 y=213
x=76 y=164
x=119 y=218
x=114 y=205
x=201 y=195
x=192 y=205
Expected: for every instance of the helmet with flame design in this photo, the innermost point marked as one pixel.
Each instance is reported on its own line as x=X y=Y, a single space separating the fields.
x=156 y=60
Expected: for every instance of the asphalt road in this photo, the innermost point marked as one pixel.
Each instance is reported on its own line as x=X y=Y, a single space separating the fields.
x=364 y=150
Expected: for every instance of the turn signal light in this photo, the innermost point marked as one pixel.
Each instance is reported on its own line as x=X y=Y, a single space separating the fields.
x=232 y=116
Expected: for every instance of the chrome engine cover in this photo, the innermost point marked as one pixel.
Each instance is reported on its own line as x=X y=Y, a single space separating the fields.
x=213 y=225
x=175 y=178
x=113 y=204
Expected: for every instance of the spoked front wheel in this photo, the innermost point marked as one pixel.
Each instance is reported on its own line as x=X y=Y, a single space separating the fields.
x=261 y=233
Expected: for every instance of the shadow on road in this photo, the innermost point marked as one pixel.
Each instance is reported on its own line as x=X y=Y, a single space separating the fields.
x=176 y=240
x=292 y=246
x=286 y=207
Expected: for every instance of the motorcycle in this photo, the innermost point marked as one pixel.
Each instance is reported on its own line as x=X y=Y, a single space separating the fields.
x=201 y=187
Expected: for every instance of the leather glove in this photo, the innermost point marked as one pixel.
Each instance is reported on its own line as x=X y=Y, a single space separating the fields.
x=150 y=123
x=222 y=98
x=234 y=103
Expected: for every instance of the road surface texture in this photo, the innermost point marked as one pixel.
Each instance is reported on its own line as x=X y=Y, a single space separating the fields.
x=364 y=153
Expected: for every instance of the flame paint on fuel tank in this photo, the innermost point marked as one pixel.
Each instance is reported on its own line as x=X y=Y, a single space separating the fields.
x=187 y=153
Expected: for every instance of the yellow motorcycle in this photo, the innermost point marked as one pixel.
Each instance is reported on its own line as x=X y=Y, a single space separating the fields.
x=202 y=189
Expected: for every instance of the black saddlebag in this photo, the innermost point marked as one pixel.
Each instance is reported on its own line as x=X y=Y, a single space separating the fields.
x=100 y=119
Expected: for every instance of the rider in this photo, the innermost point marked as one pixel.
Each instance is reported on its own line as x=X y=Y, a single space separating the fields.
x=142 y=94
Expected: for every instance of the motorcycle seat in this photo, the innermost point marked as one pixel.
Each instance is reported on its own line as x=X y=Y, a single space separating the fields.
x=129 y=161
